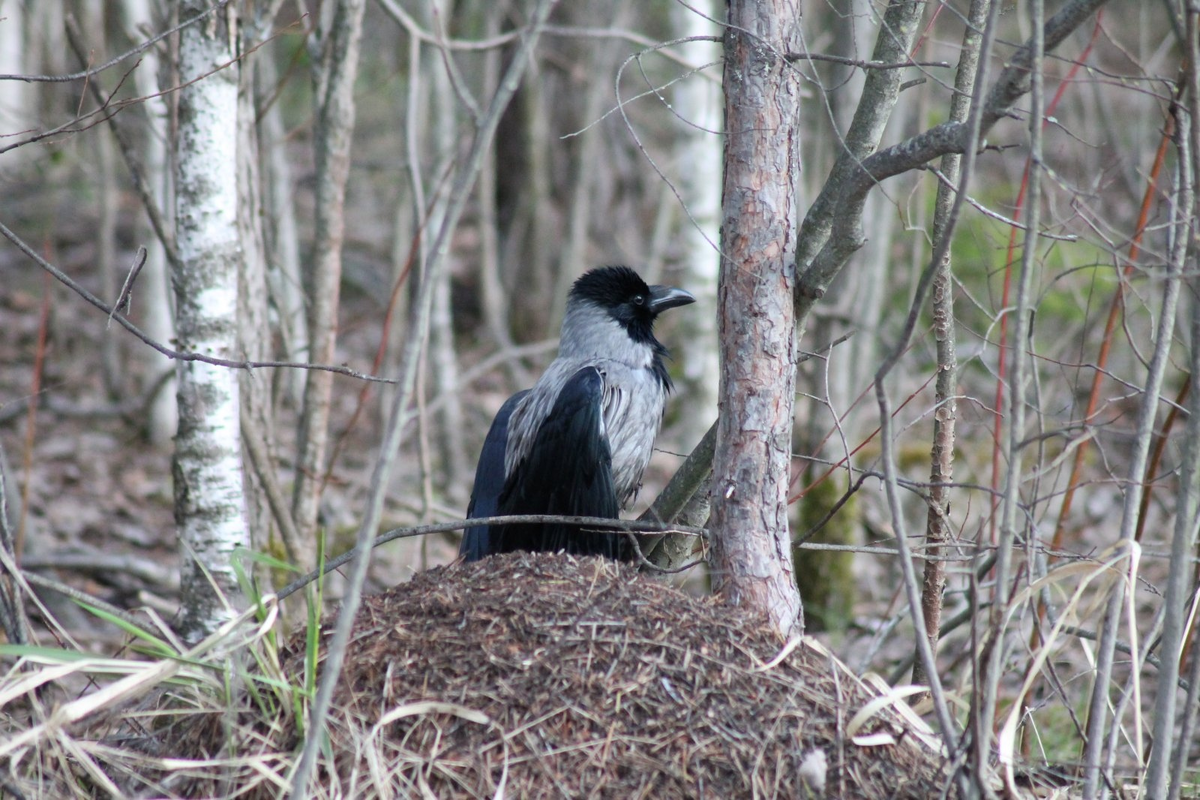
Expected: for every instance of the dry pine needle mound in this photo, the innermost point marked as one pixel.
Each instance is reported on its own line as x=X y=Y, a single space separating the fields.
x=534 y=675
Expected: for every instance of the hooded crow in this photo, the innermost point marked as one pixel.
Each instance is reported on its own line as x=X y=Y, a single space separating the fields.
x=576 y=444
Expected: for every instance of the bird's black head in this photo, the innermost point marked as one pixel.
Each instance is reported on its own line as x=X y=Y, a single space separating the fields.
x=625 y=296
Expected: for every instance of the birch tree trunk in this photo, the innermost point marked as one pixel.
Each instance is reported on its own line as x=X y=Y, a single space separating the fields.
x=209 y=501
x=752 y=558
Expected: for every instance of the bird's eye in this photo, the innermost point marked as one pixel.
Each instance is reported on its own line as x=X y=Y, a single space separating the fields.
x=639 y=300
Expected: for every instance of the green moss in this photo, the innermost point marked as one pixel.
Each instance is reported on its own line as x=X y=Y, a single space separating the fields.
x=1051 y=733
x=826 y=578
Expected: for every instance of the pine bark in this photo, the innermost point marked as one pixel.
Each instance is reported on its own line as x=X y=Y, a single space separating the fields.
x=752 y=555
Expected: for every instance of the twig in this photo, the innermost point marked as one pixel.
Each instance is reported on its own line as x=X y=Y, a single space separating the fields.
x=122 y=302
x=177 y=355
x=854 y=62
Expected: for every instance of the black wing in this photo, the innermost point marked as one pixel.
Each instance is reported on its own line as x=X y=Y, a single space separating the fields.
x=568 y=472
x=482 y=540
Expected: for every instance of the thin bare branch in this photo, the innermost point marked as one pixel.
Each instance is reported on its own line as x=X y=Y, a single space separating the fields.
x=937 y=523
x=1094 y=747
x=913 y=591
x=1012 y=521
x=176 y=355
x=1191 y=708
x=464 y=181
x=853 y=62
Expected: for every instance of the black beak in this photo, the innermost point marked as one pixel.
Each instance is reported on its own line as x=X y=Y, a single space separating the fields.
x=664 y=297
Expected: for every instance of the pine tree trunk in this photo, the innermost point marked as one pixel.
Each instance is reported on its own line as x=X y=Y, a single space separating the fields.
x=752 y=554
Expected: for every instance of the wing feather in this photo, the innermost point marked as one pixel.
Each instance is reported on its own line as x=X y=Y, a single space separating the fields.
x=567 y=471
x=482 y=540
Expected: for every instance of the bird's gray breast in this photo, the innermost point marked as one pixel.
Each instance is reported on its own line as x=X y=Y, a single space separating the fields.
x=632 y=409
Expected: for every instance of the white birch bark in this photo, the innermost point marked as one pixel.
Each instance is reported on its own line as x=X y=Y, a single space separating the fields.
x=209 y=500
